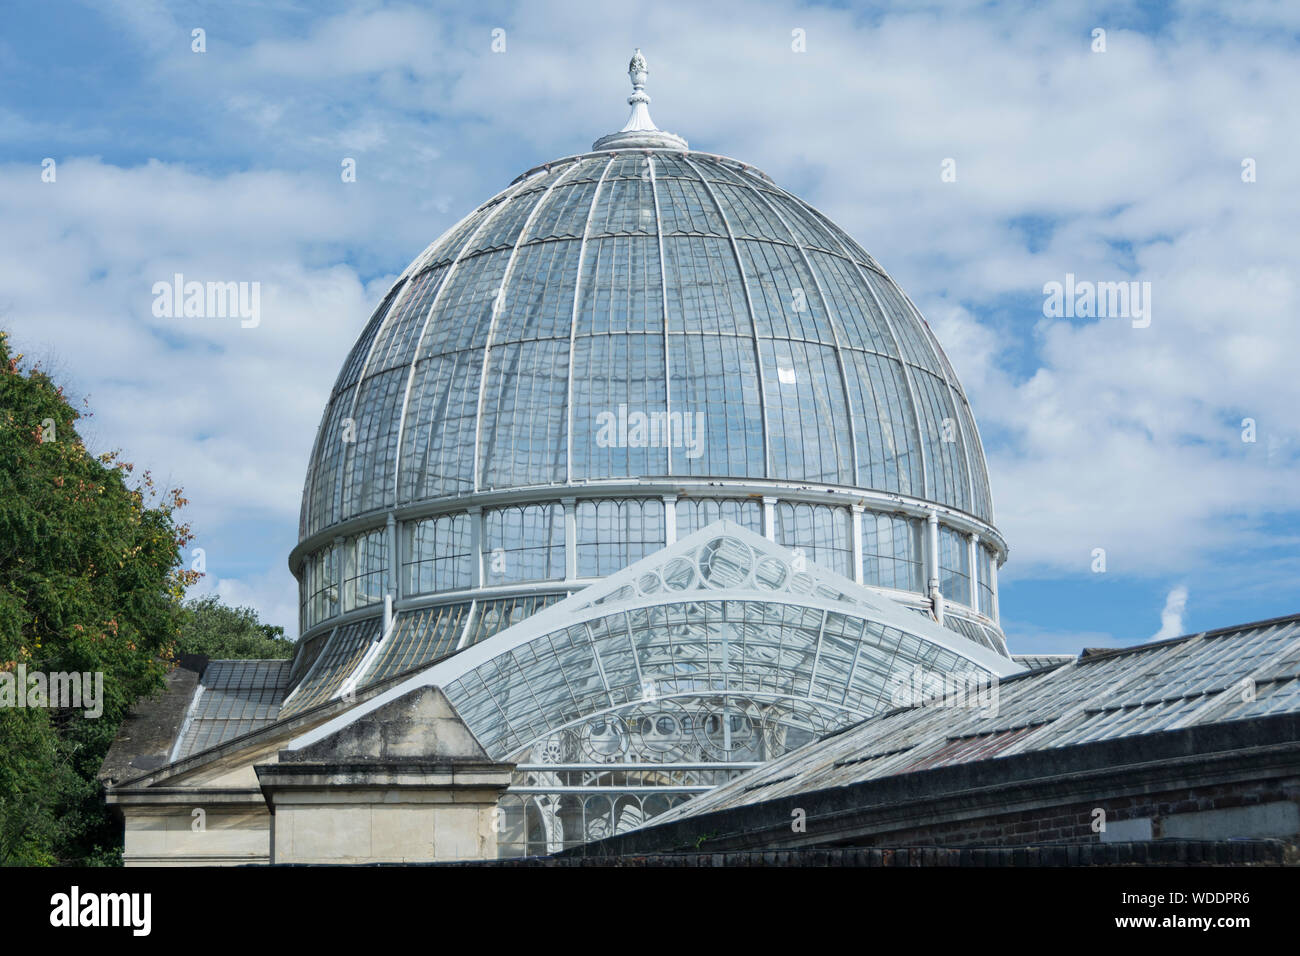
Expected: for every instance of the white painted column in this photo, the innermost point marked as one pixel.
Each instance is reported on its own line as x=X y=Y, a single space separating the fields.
x=394 y=559
x=936 y=595
x=340 y=569
x=570 y=538
x=475 y=545
x=856 y=511
x=670 y=520
x=972 y=551
x=769 y=518
x=932 y=562
x=993 y=585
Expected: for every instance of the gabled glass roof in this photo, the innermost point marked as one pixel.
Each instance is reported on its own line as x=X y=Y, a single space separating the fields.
x=720 y=612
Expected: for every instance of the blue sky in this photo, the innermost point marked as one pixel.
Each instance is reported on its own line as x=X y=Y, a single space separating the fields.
x=1117 y=165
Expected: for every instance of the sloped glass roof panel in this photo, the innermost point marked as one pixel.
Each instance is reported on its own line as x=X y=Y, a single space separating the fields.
x=1143 y=690
x=419 y=637
x=235 y=697
x=347 y=645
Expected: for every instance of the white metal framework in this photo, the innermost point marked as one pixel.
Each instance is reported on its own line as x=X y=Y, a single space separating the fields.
x=649 y=466
x=708 y=657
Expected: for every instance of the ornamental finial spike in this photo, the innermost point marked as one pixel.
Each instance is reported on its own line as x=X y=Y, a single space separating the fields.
x=638 y=71
x=640 y=132
x=640 y=120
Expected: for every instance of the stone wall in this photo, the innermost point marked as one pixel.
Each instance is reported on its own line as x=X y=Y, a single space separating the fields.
x=406 y=782
x=195 y=828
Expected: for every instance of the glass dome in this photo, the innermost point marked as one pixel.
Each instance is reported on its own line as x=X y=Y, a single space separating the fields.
x=648 y=464
x=619 y=349
x=754 y=337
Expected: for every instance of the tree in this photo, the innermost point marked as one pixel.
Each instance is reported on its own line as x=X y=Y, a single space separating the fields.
x=90 y=583
x=212 y=628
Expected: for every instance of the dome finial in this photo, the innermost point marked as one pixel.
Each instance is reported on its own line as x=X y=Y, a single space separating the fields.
x=640 y=120
x=640 y=130
x=637 y=65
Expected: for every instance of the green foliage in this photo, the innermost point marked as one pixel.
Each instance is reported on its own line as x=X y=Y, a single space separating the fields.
x=90 y=581
x=210 y=627
x=30 y=773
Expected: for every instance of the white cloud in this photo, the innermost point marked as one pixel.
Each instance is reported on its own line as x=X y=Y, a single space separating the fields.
x=272 y=595
x=1171 y=618
x=228 y=413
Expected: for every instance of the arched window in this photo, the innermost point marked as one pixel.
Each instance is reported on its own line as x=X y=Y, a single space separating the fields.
x=321 y=586
x=696 y=513
x=438 y=554
x=822 y=531
x=612 y=534
x=365 y=571
x=985 y=577
x=954 y=565
x=891 y=551
x=524 y=544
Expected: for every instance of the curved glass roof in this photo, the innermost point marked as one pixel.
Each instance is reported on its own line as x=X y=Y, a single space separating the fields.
x=519 y=349
x=721 y=612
